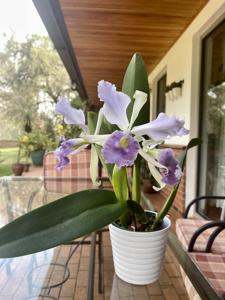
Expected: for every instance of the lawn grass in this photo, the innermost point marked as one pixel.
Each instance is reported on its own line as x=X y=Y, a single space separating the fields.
x=9 y=156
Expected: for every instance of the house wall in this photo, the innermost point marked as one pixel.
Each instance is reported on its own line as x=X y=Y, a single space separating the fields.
x=182 y=62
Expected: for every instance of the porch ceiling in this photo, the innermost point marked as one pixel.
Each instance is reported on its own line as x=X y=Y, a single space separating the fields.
x=105 y=34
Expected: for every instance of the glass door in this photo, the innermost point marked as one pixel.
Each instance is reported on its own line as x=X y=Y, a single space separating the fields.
x=212 y=122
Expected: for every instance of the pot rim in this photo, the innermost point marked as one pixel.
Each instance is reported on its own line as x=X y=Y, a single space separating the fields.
x=144 y=233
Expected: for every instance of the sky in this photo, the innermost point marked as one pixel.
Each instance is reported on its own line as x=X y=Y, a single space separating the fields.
x=19 y=17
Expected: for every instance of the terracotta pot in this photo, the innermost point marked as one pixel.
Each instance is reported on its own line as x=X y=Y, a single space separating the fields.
x=26 y=167
x=138 y=256
x=17 y=169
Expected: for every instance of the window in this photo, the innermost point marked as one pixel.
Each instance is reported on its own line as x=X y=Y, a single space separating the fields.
x=212 y=122
x=161 y=97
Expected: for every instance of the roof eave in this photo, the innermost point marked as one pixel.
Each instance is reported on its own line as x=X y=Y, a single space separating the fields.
x=51 y=15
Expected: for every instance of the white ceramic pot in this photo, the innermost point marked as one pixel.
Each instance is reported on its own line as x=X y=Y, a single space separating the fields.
x=138 y=256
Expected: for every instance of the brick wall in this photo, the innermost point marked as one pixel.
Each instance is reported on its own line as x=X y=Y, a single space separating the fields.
x=179 y=202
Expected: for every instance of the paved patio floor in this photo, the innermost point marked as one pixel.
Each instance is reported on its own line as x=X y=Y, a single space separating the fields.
x=168 y=287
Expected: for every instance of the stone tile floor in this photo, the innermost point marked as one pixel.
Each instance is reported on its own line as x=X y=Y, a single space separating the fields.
x=15 y=286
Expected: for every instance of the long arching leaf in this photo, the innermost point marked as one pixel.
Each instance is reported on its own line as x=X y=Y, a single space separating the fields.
x=60 y=221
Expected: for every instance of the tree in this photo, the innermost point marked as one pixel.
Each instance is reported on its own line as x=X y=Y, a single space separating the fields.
x=32 y=77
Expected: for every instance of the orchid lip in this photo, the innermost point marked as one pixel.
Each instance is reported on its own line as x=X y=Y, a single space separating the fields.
x=115 y=153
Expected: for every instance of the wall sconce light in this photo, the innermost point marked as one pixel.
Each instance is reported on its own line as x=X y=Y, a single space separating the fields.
x=174 y=90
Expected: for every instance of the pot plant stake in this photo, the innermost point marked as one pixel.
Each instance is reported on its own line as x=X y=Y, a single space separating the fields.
x=119 y=136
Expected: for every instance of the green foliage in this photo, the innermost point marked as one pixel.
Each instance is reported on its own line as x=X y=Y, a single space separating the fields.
x=136 y=210
x=136 y=78
x=193 y=143
x=7 y=157
x=120 y=183
x=60 y=221
x=31 y=79
x=35 y=141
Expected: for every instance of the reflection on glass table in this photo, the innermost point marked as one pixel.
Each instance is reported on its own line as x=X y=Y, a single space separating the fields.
x=28 y=276
x=63 y=272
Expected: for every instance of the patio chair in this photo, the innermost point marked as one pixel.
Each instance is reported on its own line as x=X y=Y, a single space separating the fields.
x=74 y=177
x=204 y=241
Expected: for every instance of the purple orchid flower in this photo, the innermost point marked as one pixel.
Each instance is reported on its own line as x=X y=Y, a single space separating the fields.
x=114 y=110
x=115 y=104
x=66 y=148
x=173 y=173
x=120 y=149
x=163 y=127
x=71 y=114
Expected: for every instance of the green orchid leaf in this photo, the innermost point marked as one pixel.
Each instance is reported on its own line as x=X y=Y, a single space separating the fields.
x=182 y=158
x=92 y=118
x=136 y=78
x=61 y=221
x=137 y=210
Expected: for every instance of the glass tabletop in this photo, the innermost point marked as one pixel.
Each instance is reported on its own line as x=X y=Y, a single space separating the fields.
x=29 y=276
x=62 y=272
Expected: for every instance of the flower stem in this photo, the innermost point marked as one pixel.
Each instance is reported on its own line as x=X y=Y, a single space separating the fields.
x=136 y=182
x=165 y=208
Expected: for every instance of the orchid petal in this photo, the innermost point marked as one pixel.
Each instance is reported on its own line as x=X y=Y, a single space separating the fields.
x=140 y=100
x=79 y=149
x=151 y=160
x=94 y=167
x=162 y=128
x=66 y=148
x=173 y=174
x=157 y=176
x=71 y=114
x=149 y=145
x=115 y=104
x=96 y=139
x=152 y=164
x=99 y=121
x=120 y=149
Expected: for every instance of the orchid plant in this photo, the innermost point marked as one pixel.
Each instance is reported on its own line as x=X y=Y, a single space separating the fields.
x=119 y=136
x=122 y=147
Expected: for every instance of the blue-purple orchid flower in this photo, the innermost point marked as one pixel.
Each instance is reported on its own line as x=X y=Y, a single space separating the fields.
x=122 y=146
x=73 y=146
